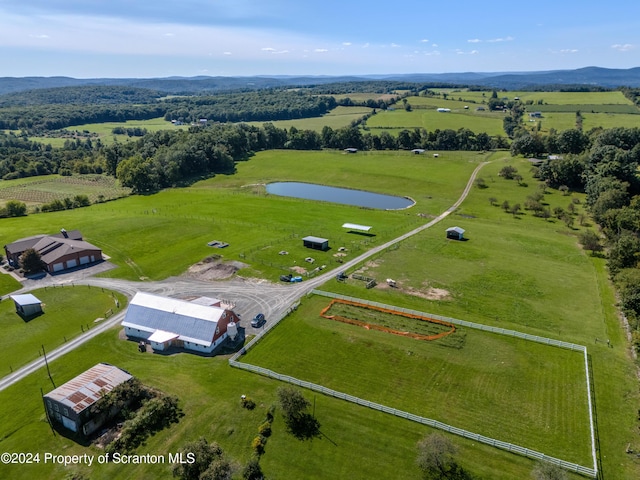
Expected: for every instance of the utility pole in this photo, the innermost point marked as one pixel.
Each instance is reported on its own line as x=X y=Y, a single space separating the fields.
x=47 y=364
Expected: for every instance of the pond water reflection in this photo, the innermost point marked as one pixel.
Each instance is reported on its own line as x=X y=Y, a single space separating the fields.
x=346 y=196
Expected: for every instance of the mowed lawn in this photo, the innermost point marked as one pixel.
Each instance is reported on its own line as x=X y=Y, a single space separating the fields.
x=8 y=284
x=68 y=312
x=355 y=442
x=513 y=390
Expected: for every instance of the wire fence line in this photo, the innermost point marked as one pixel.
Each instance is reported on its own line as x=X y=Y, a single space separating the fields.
x=510 y=447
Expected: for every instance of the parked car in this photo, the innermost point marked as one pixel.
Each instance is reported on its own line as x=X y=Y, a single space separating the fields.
x=258 y=320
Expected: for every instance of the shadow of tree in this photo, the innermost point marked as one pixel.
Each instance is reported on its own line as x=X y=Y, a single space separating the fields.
x=304 y=427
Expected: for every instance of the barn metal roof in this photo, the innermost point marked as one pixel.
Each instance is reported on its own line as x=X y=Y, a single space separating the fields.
x=315 y=239
x=190 y=321
x=24 y=243
x=24 y=300
x=455 y=229
x=87 y=388
x=355 y=226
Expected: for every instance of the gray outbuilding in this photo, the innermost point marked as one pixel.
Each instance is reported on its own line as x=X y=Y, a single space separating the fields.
x=27 y=305
x=316 y=243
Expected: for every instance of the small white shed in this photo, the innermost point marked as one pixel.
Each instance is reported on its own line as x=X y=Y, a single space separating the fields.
x=27 y=305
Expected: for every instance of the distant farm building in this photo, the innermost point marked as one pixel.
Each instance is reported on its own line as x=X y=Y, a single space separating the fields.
x=200 y=325
x=27 y=305
x=417 y=151
x=535 y=114
x=444 y=110
x=316 y=243
x=455 y=233
x=355 y=226
x=480 y=109
x=69 y=404
x=58 y=252
x=350 y=150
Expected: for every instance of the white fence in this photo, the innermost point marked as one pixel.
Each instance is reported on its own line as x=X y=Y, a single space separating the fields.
x=527 y=452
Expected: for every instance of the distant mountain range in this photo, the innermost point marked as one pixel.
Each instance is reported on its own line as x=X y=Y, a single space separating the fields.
x=588 y=76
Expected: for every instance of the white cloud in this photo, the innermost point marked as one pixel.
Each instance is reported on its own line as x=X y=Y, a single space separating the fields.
x=42 y=36
x=268 y=49
x=474 y=40
x=346 y=44
x=471 y=52
x=424 y=40
x=320 y=50
x=623 y=48
x=497 y=40
x=394 y=45
x=569 y=50
x=226 y=53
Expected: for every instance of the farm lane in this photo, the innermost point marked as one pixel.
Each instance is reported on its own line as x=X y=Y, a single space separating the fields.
x=250 y=296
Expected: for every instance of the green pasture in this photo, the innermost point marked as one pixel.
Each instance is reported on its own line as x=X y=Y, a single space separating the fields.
x=394 y=121
x=523 y=273
x=516 y=391
x=104 y=130
x=355 y=442
x=561 y=121
x=68 y=312
x=36 y=191
x=519 y=272
x=159 y=235
x=363 y=97
x=337 y=118
x=552 y=98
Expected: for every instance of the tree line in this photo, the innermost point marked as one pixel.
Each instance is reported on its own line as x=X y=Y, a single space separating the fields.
x=604 y=164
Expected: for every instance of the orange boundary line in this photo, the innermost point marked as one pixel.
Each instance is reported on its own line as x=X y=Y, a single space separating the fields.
x=380 y=328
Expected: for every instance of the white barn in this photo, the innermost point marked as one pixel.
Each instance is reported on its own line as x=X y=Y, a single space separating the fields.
x=165 y=322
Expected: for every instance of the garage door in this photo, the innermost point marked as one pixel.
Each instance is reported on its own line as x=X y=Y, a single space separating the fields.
x=72 y=263
x=58 y=266
x=84 y=260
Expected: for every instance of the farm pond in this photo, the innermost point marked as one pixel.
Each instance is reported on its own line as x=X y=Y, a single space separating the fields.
x=345 y=196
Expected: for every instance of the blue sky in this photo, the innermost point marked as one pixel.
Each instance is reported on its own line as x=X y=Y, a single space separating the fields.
x=159 y=38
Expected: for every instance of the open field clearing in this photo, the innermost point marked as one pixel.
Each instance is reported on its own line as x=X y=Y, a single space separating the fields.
x=36 y=191
x=356 y=443
x=557 y=98
x=515 y=271
x=564 y=121
x=68 y=312
x=104 y=130
x=337 y=118
x=516 y=391
x=136 y=231
x=394 y=121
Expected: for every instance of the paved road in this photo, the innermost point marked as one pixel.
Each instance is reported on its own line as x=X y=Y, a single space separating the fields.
x=250 y=296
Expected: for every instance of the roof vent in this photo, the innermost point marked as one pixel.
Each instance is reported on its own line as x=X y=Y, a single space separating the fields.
x=64 y=233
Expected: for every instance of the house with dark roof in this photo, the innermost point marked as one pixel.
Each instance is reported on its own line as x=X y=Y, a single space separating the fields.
x=70 y=404
x=58 y=252
x=199 y=325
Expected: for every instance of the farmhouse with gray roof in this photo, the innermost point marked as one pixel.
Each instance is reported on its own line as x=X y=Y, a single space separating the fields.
x=200 y=325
